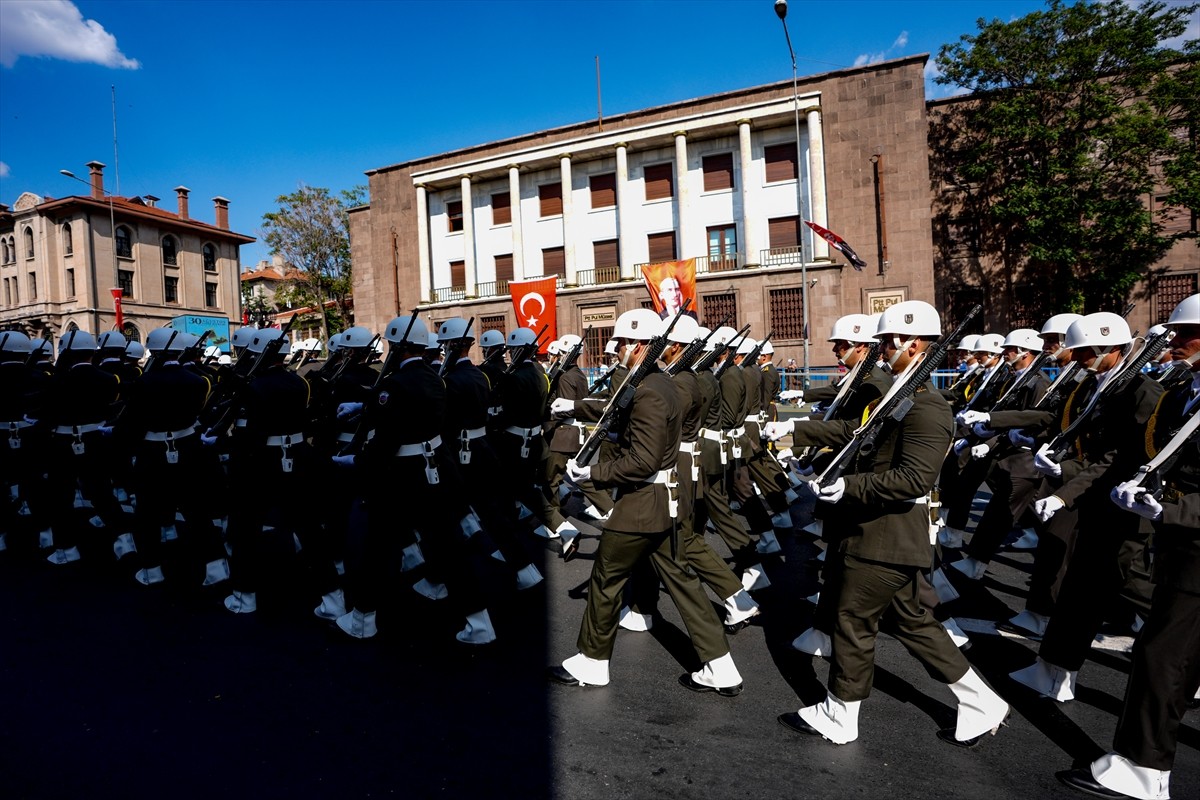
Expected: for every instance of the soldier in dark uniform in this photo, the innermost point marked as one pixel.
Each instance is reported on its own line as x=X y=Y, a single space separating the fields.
x=517 y=427
x=23 y=449
x=564 y=437
x=1110 y=447
x=642 y=525
x=78 y=405
x=886 y=546
x=1165 y=674
x=771 y=382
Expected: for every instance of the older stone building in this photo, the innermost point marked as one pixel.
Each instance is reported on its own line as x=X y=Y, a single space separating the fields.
x=715 y=178
x=61 y=259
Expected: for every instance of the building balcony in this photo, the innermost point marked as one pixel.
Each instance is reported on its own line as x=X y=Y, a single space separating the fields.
x=780 y=256
x=449 y=294
x=706 y=264
x=598 y=276
x=491 y=289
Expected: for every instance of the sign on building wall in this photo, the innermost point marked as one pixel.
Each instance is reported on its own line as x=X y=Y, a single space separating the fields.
x=598 y=316
x=878 y=300
x=198 y=325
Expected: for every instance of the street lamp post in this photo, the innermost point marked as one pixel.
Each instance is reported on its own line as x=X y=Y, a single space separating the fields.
x=781 y=9
x=112 y=231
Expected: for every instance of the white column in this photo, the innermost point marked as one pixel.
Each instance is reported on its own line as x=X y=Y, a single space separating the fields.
x=752 y=226
x=568 y=220
x=468 y=236
x=624 y=232
x=816 y=180
x=514 y=206
x=683 y=212
x=423 y=265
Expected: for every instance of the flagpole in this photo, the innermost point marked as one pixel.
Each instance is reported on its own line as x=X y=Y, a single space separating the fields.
x=781 y=12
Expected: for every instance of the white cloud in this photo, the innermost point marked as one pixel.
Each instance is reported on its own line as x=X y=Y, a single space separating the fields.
x=56 y=29
x=4 y=170
x=874 y=58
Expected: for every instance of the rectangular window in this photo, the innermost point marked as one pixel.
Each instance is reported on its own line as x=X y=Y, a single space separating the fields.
x=717 y=307
x=550 y=199
x=504 y=272
x=662 y=246
x=787 y=312
x=660 y=181
x=7 y=293
x=171 y=289
x=783 y=232
x=70 y=283
x=781 y=162
x=722 y=248
x=554 y=261
x=210 y=294
x=125 y=279
x=604 y=190
x=718 y=172
x=607 y=258
x=458 y=274
x=492 y=322
x=454 y=216
x=1170 y=291
x=595 y=338
x=33 y=286
x=502 y=209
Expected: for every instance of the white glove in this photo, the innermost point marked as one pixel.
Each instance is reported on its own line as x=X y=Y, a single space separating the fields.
x=344 y=461
x=1046 y=508
x=973 y=417
x=1020 y=440
x=828 y=494
x=562 y=407
x=209 y=439
x=1046 y=465
x=792 y=396
x=981 y=430
x=577 y=474
x=777 y=430
x=980 y=451
x=348 y=410
x=1133 y=497
x=959 y=446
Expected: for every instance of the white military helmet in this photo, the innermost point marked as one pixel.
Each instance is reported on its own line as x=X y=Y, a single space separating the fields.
x=159 y=337
x=640 y=324
x=1102 y=330
x=1024 y=339
x=568 y=341
x=685 y=331
x=358 y=336
x=432 y=342
x=989 y=343
x=1156 y=330
x=521 y=337
x=746 y=345
x=182 y=342
x=394 y=332
x=333 y=344
x=111 y=340
x=768 y=349
x=853 y=328
x=224 y=360
x=720 y=336
x=310 y=344
x=968 y=342
x=134 y=350
x=261 y=337
x=212 y=351
x=454 y=329
x=1060 y=322
x=15 y=342
x=553 y=348
x=610 y=347
x=242 y=336
x=491 y=339
x=40 y=345
x=82 y=340
x=910 y=318
x=1186 y=313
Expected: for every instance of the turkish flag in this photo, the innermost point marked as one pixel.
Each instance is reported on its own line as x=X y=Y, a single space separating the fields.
x=535 y=305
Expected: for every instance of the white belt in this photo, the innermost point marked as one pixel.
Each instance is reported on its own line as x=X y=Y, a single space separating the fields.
x=239 y=423
x=286 y=440
x=736 y=433
x=16 y=424
x=76 y=430
x=464 y=442
x=733 y=435
x=693 y=450
x=754 y=419
x=526 y=434
x=419 y=448
x=712 y=436
x=918 y=501
x=664 y=476
x=494 y=411
x=14 y=436
x=347 y=436
x=166 y=436
x=472 y=433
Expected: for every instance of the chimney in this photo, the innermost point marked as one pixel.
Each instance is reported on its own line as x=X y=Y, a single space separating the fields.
x=221 y=211
x=182 y=191
x=151 y=200
x=97 y=173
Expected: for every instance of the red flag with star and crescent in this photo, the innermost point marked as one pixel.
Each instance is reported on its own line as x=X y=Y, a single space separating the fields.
x=534 y=304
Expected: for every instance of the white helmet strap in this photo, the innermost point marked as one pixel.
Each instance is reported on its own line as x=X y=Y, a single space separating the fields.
x=900 y=348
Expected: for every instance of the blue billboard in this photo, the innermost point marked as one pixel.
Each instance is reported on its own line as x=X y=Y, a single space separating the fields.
x=198 y=325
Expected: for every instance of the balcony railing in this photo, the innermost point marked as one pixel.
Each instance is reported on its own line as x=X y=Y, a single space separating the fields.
x=599 y=275
x=491 y=289
x=779 y=256
x=449 y=293
x=720 y=263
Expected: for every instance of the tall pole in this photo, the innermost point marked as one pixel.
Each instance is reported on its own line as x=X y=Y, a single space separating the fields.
x=781 y=10
x=112 y=229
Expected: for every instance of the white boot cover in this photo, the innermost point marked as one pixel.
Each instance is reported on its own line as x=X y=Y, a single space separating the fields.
x=528 y=577
x=588 y=671
x=168 y=534
x=124 y=545
x=411 y=557
x=942 y=587
x=739 y=607
x=1047 y=680
x=544 y=532
x=46 y=538
x=782 y=521
x=358 y=624
x=215 y=572
x=970 y=567
x=333 y=606
x=980 y=710
x=836 y=720
x=1026 y=541
x=767 y=543
x=61 y=556
x=816 y=527
x=434 y=591
x=149 y=577
x=950 y=537
x=567 y=532
x=755 y=578
x=957 y=635
x=242 y=602
x=813 y=642
x=479 y=629
x=1030 y=621
x=1118 y=773
x=720 y=673
x=638 y=623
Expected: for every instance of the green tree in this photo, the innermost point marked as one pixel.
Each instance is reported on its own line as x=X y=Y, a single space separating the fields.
x=311 y=232
x=1077 y=115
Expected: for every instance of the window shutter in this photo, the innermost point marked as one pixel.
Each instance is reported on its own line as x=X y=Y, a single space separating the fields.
x=550 y=198
x=784 y=232
x=501 y=209
x=718 y=172
x=604 y=190
x=662 y=246
x=554 y=261
x=781 y=162
x=660 y=181
x=458 y=274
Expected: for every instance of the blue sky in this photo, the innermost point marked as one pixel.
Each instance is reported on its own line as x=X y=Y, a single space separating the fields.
x=249 y=99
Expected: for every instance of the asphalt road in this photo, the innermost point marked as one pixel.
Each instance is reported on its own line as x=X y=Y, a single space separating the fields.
x=109 y=689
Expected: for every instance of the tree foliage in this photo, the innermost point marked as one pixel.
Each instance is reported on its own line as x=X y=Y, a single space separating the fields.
x=1078 y=115
x=311 y=232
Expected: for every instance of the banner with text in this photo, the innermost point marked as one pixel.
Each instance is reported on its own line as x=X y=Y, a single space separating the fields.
x=535 y=305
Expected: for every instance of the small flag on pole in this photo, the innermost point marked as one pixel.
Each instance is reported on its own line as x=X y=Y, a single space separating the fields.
x=838 y=244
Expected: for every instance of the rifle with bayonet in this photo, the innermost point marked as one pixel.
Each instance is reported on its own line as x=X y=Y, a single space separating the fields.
x=692 y=351
x=196 y=349
x=233 y=401
x=524 y=351
x=711 y=357
x=896 y=403
x=446 y=355
x=623 y=397
x=564 y=363
x=860 y=372
x=394 y=356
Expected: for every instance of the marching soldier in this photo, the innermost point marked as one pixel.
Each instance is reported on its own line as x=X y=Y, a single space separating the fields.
x=886 y=546
x=23 y=450
x=564 y=437
x=642 y=525
x=517 y=426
